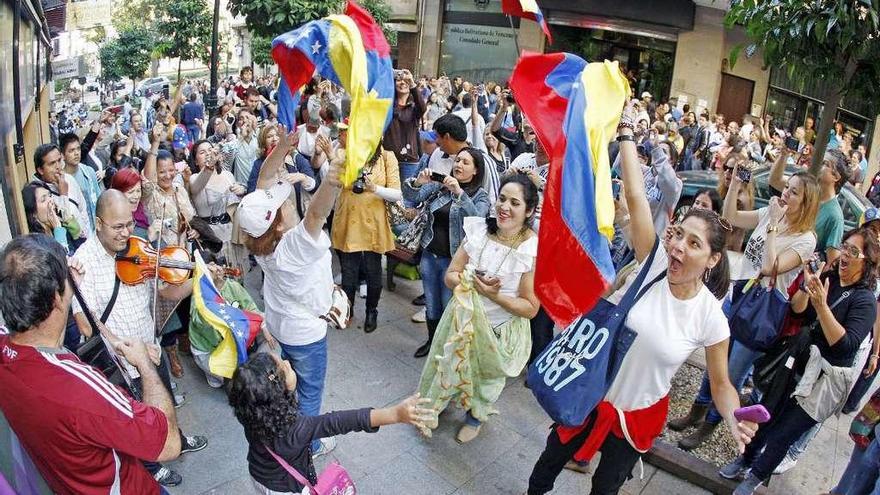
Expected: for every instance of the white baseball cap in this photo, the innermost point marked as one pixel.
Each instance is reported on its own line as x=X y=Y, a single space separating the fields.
x=646 y=95
x=258 y=210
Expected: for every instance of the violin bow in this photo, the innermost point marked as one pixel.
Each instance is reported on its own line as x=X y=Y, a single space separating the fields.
x=157 y=330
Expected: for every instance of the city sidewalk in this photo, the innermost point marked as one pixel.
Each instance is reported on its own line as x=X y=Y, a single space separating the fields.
x=378 y=370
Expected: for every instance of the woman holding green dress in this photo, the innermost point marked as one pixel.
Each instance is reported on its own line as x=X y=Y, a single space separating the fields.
x=484 y=336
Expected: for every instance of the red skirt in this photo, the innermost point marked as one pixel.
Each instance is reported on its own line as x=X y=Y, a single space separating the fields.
x=639 y=427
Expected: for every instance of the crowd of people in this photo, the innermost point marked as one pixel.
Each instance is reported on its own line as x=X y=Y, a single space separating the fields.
x=454 y=189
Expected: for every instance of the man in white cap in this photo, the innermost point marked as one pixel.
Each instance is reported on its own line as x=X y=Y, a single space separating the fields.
x=298 y=280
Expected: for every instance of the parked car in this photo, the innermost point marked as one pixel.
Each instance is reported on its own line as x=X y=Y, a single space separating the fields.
x=852 y=201
x=153 y=85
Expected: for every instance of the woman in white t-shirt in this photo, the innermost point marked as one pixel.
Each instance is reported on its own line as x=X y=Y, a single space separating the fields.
x=677 y=315
x=298 y=280
x=782 y=235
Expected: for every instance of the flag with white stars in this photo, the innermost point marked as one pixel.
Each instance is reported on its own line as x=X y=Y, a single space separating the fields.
x=237 y=327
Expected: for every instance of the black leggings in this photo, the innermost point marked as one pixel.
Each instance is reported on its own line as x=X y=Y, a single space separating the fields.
x=351 y=264
x=615 y=464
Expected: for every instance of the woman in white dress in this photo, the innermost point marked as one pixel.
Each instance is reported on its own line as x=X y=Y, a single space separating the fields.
x=214 y=191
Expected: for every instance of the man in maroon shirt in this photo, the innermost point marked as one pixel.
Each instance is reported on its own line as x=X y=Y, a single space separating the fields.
x=85 y=435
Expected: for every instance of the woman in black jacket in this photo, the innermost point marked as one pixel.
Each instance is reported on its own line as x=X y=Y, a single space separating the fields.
x=842 y=305
x=263 y=397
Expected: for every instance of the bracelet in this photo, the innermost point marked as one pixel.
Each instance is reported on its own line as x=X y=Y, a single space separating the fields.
x=627 y=125
x=772 y=228
x=626 y=137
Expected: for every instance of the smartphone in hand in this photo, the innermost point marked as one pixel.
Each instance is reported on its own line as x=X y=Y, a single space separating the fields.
x=438 y=177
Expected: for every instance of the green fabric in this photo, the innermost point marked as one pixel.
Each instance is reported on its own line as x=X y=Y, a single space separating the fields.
x=469 y=360
x=829 y=225
x=406 y=271
x=201 y=335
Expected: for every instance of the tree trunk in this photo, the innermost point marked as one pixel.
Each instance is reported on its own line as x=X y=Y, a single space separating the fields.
x=154 y=67
x=826 y=123
x=179 y=63
x=829 y=112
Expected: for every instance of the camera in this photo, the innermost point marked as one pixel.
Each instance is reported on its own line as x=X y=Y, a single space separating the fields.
x=744 y=174
x=359 y=185
x=814 y=265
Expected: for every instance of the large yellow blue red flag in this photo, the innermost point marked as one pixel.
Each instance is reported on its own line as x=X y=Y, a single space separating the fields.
x=237 y=327
x=351 y=51
x=574 y=108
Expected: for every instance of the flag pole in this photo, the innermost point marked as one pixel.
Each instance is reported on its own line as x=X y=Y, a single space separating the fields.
x=515 y=42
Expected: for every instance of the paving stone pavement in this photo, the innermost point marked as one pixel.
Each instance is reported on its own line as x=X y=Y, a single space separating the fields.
x=378 y=370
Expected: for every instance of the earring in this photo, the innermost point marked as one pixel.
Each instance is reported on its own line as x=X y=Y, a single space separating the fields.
x=706 y=274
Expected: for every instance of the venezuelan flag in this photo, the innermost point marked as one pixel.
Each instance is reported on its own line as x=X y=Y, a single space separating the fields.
x=237 y=327
x=351 y=51
x=577 y=216
x=527 y=9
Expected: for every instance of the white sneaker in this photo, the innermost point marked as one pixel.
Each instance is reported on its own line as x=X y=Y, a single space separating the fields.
x=421 y=316
x=327 y=446
x=363 y=291
x=787 y=463
x=214 y=381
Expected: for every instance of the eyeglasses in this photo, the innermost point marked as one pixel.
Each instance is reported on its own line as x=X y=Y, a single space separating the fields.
x=722 y=222
x=120 y=227
x=852 y=251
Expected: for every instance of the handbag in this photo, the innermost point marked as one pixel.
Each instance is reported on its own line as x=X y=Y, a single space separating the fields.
x=777 y=371
x=337 y=315
x=333 y=480
x=757 y=313
x=573 y=374
x=408 y=243
x=861 y=430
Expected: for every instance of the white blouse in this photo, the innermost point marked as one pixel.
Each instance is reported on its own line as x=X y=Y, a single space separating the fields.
x=505 y=263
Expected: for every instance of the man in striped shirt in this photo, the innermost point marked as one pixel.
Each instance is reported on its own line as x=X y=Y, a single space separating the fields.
x=85 y=435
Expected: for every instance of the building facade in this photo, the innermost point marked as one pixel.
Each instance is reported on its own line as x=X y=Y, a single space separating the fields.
x=669 y=48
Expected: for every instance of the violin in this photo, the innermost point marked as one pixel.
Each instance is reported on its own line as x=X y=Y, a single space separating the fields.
x=138 y=262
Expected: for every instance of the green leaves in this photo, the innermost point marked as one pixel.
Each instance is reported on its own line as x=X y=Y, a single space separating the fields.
x=128 y=55
x=185 y=28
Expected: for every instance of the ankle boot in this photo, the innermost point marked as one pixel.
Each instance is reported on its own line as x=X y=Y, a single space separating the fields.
x=426 y=347
x=371 y=320
x=174 y=361
x=696 y=415
x=699 y=436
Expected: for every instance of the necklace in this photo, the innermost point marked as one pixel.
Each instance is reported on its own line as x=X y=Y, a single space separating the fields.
x=515 y=242
x=514 y=237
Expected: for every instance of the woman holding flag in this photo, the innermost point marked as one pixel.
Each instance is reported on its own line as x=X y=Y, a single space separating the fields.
x=296 y=262
x=674 y=317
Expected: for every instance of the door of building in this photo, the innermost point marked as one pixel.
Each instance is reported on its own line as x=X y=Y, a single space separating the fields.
x=735 y=97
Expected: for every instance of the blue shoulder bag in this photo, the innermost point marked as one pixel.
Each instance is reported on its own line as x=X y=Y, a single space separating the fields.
x=577 y=368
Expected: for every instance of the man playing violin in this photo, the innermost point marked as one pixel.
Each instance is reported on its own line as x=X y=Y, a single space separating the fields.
x=125 y=310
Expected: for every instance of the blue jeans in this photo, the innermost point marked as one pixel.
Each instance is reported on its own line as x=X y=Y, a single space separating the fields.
x=407 y=170
x=800 y=446
x=861 y=474
x=776 y=438
x=739 y=363
x=432 y=268
x=309 y=362
x=194 y=132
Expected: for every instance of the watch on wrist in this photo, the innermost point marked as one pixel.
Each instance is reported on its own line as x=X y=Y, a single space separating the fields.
x=626 y=137
x=772 y=228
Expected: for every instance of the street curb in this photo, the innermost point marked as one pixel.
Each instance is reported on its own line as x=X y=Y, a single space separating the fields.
x=691 y=469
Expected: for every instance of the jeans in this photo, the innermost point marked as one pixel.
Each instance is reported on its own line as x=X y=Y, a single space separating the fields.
x=194 y=132
x=776 y=438
x=862 y=474
x=800 y=446
x=309 y=362
x=542 y=333
x=739 y=363
x=615 y=465
x=432 y=268
x=863 y=383
x=407 y=170
x=351 y=265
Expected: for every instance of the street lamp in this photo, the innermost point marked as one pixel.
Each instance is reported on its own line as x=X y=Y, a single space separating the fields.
x=211 y=99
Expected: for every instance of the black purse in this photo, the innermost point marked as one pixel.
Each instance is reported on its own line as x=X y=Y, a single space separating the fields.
x=94 y=351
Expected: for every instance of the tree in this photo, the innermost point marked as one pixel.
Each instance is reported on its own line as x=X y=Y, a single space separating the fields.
x=130 y=53
x=184 y=29
x=139 y=15
x=269 y=18
x=836 y=43
x=261 y=51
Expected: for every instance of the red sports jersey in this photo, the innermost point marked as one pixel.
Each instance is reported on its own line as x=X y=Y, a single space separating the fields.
x=83 y=433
